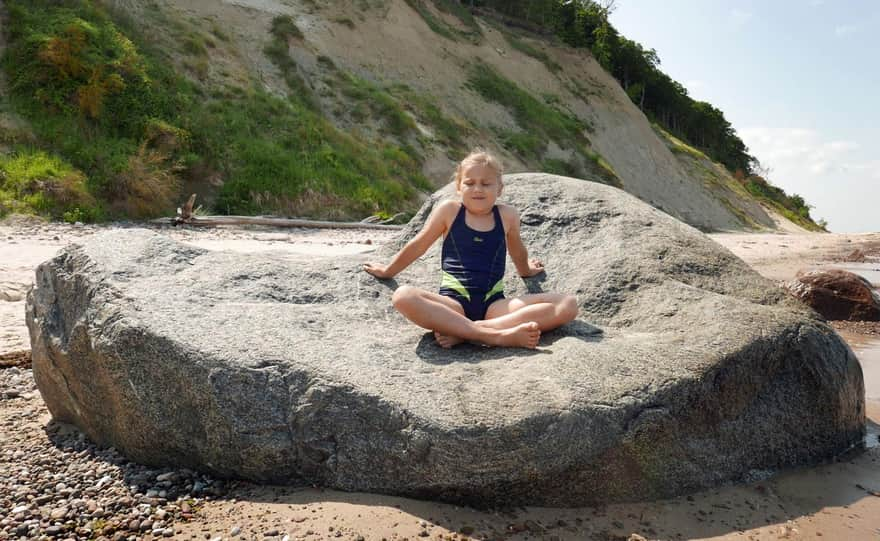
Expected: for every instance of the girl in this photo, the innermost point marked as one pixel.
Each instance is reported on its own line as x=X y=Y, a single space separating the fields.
x=471 y=304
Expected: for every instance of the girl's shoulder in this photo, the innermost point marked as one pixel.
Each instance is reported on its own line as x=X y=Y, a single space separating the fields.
x=509 y=215
x=446 y=211
x=448 y=207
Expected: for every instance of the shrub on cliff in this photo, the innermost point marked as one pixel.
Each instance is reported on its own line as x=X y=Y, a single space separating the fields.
x=34 y=182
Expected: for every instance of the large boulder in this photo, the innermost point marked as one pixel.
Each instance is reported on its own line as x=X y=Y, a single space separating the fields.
x=837 y=294
x=684 y=369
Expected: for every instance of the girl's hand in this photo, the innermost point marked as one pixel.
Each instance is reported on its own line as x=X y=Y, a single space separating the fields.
x=535 y=267
x=377 y=270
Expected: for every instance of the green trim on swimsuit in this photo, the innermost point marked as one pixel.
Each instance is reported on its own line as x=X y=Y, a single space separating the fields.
x=451 y=282
x=497 y=288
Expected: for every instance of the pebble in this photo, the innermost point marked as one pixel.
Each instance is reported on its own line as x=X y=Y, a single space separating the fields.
x=235 y=531
x=58 y=513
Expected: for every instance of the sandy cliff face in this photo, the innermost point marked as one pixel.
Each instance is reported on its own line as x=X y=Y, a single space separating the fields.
x=389 y=44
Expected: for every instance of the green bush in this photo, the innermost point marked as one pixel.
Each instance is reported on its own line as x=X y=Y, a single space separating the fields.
x=438 y=26
x=559 y=167
x=134 y=142
x=84 y=86
x=463 y=14
x=539 y=118
x=281 y=156
x=529 y=50
x=34 y=182
x=284 y=28
x=382 y=104
x=793 y=207
x=524 y=144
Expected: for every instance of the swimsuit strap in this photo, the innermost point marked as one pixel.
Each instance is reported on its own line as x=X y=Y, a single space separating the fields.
x=498 y=223
x=459 y=217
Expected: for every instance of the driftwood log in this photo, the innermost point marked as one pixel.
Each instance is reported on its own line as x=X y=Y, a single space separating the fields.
x=185 y=216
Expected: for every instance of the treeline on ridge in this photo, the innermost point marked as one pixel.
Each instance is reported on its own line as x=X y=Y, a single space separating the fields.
x=585 y=23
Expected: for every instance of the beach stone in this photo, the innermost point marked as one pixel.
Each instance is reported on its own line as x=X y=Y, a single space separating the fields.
x=837 y=294
x=684 y=369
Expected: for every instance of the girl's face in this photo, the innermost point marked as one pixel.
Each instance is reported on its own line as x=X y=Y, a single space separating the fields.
x=479 y=187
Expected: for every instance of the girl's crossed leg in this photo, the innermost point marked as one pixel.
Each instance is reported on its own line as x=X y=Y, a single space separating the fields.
x=446 y=318
x=548 y=310
x=516 y=321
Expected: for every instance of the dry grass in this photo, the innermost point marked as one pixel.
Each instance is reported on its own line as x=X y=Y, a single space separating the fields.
x=149 y=186
x=65 y=191
x=308 y=203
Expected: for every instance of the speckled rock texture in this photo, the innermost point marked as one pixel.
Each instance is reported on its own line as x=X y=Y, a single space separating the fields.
x=684 y=369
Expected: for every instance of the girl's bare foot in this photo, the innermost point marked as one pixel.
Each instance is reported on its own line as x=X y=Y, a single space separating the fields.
x=524 y=335
x=447 y=341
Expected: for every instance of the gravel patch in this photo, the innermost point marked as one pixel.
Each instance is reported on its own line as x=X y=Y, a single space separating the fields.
x=54 y=482
x=871 y=328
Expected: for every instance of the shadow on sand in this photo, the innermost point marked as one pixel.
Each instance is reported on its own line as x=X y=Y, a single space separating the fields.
x=772 y=504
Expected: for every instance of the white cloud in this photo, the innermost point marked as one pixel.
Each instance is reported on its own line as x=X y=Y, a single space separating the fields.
x=837 y=176
x=845 y=29
x=870 y=170
x=802 y=151
x=739 y=17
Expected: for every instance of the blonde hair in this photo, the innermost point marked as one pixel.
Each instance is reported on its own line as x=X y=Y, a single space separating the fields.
x=478 y=156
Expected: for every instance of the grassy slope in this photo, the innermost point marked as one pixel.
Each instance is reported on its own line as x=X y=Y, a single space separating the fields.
x=101 y=100
x=723 y=185
x=122 y=121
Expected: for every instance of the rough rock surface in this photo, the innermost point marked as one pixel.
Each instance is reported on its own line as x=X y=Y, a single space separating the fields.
x=837 y=294
x=302 y=372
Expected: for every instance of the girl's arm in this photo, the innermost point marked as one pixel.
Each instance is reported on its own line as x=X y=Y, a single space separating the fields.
x=515 y=247
x=434 y=227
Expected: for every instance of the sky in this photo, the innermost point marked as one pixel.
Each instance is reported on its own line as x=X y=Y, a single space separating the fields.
x=799 y=80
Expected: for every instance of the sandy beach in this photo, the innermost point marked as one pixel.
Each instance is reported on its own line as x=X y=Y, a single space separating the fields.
x=838 y=500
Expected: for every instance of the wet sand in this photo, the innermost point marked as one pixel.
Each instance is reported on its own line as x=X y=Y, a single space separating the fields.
x=839 y=500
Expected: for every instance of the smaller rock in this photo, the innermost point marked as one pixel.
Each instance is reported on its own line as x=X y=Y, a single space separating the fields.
x=837 y=294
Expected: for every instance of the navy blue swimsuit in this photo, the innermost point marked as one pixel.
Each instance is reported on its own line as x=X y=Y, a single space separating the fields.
x=473 y=265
